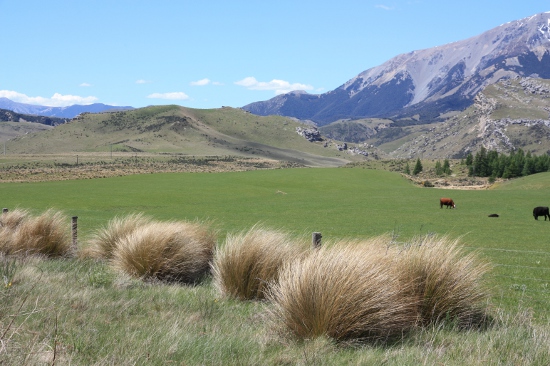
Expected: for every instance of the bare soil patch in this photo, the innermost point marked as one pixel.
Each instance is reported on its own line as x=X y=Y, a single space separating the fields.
x=463 y=183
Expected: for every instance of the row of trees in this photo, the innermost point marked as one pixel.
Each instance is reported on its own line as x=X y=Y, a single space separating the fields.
x=493 y=164
x=517 y=164
x=440 y=169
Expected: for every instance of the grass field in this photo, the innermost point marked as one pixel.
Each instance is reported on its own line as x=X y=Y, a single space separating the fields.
x=190 y=325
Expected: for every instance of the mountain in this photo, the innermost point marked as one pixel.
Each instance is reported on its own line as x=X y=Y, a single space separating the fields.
x=427 y=85
x=61 y=112
x=505 y=116
x=10 y=116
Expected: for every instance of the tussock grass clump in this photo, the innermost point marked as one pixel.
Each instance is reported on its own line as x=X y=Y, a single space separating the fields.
x=349 y=292
x=447 y=281
x=104 y=239
x=9 y=221
x=47 y=234
x=12 y=219
x=376 y=290
x=249 y=260
x=168 y=251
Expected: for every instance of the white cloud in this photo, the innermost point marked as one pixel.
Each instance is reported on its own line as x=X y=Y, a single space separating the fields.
x=141 y=81
x=279 y=86
x=384 y=7
x=205 y=81
x=56 y=100
x=85 y=84
x=169 y=96
x=200 y=82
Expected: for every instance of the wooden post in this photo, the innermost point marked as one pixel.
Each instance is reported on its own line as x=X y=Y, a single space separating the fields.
x=4 y=210
x=316 y=240
x=75 y=230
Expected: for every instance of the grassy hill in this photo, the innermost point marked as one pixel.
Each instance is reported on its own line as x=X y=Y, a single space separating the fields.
x=9 y=130
x=177 y=130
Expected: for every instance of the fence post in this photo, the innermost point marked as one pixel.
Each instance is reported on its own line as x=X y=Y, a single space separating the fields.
x=316 y=240
x=75 y=230
x=4 y=210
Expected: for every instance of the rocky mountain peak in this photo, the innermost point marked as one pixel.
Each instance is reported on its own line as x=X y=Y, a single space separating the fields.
x=459 y=61
x=431 y=82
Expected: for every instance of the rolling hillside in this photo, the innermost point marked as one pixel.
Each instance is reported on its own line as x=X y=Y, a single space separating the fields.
x=177 y=130
x=11 y=130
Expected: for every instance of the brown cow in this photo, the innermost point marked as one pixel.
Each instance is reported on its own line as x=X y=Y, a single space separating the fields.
x=447 y=202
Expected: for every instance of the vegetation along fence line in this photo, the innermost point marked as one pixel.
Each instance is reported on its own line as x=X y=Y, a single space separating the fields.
x=316 y=241
x=315 y=238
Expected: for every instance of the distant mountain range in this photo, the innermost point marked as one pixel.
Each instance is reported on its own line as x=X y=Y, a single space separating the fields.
x=60 y=112
x=425 y=86
x=10 y=116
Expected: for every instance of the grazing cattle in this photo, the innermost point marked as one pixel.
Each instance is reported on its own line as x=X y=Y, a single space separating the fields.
x=446 y=202
x=541 y=211
x=493 y=215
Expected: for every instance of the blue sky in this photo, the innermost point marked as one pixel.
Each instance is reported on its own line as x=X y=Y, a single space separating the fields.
x=208 y=54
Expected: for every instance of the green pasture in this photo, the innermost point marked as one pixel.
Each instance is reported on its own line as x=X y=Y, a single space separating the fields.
x=338 y=202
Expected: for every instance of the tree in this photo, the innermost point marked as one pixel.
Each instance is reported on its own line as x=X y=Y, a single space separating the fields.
x=517 y=160
x=407 y=169
x=438 y=168
x=529 y=166
x=447 y=167
x=492 y=162
x=542 y=163
x=418 y=167
x=481 y=168
x=520 y=161
x=469 y=159
x=511 y=170
x=503 y=161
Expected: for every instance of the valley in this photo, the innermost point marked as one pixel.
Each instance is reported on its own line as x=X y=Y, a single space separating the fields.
x=505 y=116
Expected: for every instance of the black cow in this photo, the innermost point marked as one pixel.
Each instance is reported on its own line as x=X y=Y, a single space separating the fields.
x=541 y=211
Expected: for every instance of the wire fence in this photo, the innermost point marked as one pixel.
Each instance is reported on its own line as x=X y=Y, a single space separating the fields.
x=532 y=289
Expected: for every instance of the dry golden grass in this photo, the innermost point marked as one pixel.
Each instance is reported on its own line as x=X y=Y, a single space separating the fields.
x=9 y=221
x=349 y=291
x=448 y=282
x=168 y=251
x=249 y=260
x=375 y=290
x=47 y=234
x=104 y=239
x=99 y=165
